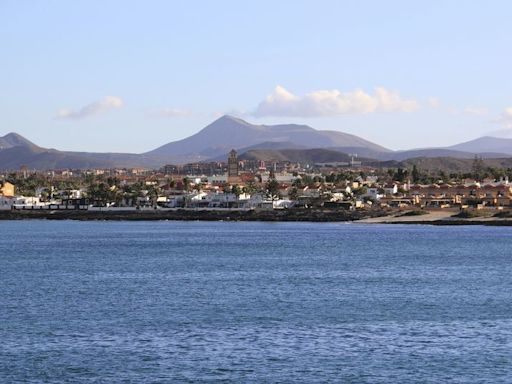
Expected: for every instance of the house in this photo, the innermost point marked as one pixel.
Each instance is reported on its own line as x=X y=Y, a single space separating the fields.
x=6 y=189
x=6 y=202
x=375 y=193
x=390 y=189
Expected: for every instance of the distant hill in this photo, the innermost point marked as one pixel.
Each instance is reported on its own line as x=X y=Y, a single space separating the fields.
x=436 y=152
x=311 y=156
x=286 y=142
x=268 y=145
x=447 y=164
x=43 y=159
x=16 y=151
x=321 y=155
x=486 y=144
x=283 y=153
x=229 y=132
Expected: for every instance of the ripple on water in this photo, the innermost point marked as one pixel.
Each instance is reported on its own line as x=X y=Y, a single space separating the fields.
x=254 y=302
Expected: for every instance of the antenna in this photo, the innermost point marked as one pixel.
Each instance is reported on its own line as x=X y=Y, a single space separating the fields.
x=352 y=155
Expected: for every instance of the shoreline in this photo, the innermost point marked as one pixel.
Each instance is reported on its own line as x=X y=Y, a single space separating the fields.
x=299 y=215
x=438 y=218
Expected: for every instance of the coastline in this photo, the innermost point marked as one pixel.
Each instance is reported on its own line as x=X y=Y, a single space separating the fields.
x=300 y=215
x=443 y=218
x=437 y=217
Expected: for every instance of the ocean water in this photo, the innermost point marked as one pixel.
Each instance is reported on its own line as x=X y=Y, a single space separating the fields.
x=151 y=302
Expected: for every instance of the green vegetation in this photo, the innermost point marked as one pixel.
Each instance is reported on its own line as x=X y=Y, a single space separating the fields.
x=417 y=212
x=272 y=189
x=470 y=214
x=503 y=214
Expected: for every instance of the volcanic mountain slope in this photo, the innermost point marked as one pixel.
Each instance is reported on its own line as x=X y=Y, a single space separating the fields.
x=293 y=142
x=16 y=151
x=486 y=144
x=229 y=132
x=15 y=140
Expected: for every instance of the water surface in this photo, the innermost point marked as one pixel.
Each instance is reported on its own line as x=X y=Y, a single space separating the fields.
x=254 y=302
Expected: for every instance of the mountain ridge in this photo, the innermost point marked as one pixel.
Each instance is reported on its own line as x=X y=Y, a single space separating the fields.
x=485 y=144
x=229 y=132
x=213 y=142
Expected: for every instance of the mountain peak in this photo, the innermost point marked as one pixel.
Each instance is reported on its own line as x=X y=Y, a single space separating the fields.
x=13 y=136
x=229 y=119
x=229 y=132
x=13 y=139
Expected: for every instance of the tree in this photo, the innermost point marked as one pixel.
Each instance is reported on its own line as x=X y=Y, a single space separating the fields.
x=297 y=182
x=307 y=180
x=400 y=175
x=293 y=193
x=236 y=190
x=186 y=184
x=415 y=174
x=443 y=176
x=272 y=189
x=250 y=187
x=99 y=192
x=198 y=187
x=330 y=178
x=478 y=168
x=153 y=192
x=360 y=191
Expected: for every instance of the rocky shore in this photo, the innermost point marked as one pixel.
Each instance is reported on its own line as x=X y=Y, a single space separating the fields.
x=312 y=215
x=374 y=216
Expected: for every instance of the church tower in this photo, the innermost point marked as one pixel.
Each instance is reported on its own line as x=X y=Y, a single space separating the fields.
x=233 y=167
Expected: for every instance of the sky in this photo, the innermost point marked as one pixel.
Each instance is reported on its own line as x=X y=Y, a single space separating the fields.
x=129 y=76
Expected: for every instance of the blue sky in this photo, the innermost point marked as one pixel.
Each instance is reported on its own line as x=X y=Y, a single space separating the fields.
x=130 y=76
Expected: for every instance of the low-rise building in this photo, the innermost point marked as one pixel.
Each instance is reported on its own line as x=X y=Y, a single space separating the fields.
x=7 y=189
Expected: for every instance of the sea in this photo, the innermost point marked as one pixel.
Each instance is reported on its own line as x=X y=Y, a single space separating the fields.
x=254 y=302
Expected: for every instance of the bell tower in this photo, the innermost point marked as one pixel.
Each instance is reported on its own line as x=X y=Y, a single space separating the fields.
x=233 y=167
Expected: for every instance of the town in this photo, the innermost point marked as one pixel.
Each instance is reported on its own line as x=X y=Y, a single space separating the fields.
x=256 y=185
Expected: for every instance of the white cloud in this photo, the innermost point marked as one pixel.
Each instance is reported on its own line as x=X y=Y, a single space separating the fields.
x=507 y=113
x=506 y=118
x=332 y=103
x=435 y=103
x=105 y=104
x=479 y=111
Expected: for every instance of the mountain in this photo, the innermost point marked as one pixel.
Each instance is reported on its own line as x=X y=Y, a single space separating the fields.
x=229 y=132
x=16 y=151
x=436 y=152
x=267 y=145
x=213 y=141
x=290 y=142
x=274 y=145
x=14 y=140
x=486 y=144
x=44 y=159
